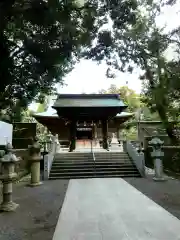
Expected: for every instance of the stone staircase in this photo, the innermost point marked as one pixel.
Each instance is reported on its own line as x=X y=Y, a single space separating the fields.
x=82 y=165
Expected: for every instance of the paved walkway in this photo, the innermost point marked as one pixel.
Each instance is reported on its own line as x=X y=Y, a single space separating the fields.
x=104 y=209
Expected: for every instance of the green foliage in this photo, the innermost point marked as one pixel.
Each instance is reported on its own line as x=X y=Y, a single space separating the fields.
x=41 y=131
x=39 y=42
x=42 y=107
x=127 y=95
x=141 y=43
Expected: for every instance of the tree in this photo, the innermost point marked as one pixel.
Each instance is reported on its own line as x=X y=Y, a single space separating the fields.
x=43 y=107
x=39 y=42
x=143 y=44
x=127 y=95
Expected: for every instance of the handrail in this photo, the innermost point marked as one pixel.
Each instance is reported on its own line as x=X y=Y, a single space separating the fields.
x=94 y=158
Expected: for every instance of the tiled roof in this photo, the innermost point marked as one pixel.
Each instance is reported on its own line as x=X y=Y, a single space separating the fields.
x=53 y=114
x=88 y=100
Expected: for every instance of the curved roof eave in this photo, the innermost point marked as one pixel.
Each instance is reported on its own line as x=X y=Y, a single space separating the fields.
x=55 y=115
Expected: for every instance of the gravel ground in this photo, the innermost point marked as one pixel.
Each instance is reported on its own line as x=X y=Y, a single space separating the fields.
x=39 y=209
x=166 y=194
x=37 y=214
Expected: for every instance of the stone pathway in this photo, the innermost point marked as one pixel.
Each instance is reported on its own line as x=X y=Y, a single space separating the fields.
x=37 y=216
x=103 y=209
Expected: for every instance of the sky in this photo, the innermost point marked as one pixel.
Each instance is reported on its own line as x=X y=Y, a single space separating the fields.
x=89 y=77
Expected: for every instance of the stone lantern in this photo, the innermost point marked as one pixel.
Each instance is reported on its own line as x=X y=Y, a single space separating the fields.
x=49 y=142
x=8 y=160
x=157 y=155
x=35 y=158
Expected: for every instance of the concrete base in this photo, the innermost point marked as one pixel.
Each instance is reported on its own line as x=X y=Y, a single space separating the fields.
x=159 y=179
x=35 y=184
x=105 y=209
x=8 y=207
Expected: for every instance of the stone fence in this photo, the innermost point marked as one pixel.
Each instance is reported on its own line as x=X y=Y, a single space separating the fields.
x=136 y=156
x=49 y=157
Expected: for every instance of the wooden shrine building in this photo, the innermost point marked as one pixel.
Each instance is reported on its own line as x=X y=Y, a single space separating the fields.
x=85 y=116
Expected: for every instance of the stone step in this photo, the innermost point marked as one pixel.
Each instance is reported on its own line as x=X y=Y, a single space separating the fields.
x=110 y=159
x=71 y=157
x=80 y=165
x=91 y=157
x=93 y=173
x=89 y=154
x=133 y=175
x=73 y=154
x=92 y=162
x=102 y=169
x=110 y=153
x=99 y=166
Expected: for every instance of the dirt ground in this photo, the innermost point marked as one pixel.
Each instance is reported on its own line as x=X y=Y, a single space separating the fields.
x=37 y=214
x=39 y=208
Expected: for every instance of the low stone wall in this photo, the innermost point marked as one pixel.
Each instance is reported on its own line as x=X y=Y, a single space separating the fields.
x=24 y=155
x=171 y=159
x=21 y=143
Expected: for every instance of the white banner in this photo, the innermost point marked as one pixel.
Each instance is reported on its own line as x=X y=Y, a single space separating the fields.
x=6 y=132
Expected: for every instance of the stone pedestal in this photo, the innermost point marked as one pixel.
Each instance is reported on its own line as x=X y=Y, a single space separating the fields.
x=157 y=155
x=35 y=158
x=8 y=160
x=158 y=167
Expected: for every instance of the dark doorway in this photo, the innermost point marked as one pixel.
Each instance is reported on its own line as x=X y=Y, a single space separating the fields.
x=84 y=134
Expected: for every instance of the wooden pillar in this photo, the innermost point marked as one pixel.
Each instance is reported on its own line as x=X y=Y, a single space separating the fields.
x=72 y=136
x=95 y=132
x=104 y=124
x=118 y=134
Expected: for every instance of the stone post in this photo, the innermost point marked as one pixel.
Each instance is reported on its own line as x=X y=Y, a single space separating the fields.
x=157 y=155
x=58 y=146
x=8 y=160
x=49 y=143
x=105 y=134
x=35 y=158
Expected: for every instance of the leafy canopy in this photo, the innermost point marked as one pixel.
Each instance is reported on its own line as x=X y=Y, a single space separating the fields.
x=141 y=43
x=39 y=42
